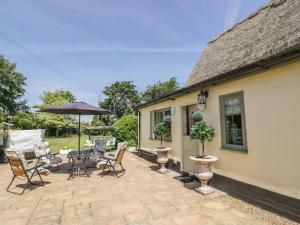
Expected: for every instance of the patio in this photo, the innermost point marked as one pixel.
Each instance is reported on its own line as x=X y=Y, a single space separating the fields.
x=141 y=196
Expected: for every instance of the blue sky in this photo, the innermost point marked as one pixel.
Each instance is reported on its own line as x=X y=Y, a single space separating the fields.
x=83 y=46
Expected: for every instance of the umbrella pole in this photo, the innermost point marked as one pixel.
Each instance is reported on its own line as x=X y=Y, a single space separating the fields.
x=79 y=135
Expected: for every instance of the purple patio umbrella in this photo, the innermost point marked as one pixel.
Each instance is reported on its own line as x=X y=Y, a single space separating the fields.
x=76 y=108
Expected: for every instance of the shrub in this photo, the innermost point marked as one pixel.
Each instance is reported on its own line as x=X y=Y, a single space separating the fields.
x=202 y=131
x=161 y=129
x=2 y=116
x=127 y=129
x=24 y=120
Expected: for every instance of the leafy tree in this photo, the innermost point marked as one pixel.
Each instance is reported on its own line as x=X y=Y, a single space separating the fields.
x=121 y=98
x=55 y=98
x=159 y=89
x=202 y=131
x=161 y=129
x=12 y=85
x=24 y=120
x=2 y=116
x=97 y=121
x=54 y=121
x=127 y=129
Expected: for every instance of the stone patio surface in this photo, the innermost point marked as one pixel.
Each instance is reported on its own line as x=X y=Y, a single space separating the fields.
x=141 y=196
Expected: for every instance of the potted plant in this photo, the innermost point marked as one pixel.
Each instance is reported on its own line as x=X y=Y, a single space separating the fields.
x=203 y=132
x=162 y=129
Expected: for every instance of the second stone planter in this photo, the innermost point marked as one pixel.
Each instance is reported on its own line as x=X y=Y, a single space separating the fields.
x=204 y=173
x=162 y=158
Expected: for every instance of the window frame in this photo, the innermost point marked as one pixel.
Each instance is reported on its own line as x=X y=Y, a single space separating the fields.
x=187 y=128
x=224 y=145
x=152 y=124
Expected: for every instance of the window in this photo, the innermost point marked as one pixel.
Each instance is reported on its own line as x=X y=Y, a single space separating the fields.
x=233 y=127
x=156 y=117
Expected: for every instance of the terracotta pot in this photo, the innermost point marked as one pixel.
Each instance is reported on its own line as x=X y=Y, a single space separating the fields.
x=162 y=158
x=204 y=173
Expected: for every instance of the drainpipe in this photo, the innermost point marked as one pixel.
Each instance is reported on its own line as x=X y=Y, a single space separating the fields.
x=139 y=132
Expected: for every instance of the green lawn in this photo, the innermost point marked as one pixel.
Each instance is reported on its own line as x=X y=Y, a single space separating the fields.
x=57 y=143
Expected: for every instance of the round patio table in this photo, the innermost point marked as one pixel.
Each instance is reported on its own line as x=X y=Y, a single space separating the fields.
x=77 y=163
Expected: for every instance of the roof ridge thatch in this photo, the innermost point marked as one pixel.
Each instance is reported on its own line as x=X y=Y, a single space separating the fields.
x=268 y=32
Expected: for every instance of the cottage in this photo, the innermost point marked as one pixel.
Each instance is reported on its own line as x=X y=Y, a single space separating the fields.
x=250 y=79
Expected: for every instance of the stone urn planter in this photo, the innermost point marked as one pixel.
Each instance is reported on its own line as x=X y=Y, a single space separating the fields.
x=203 y=172
x=162 y=129
x=162 y=158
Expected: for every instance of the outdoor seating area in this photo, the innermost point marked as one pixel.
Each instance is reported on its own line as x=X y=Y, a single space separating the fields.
x=27 y=147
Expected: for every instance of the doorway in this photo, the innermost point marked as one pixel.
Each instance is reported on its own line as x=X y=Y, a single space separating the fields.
x=189 y=147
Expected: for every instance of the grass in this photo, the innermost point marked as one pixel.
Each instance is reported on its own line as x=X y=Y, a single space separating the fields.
x=57 y=143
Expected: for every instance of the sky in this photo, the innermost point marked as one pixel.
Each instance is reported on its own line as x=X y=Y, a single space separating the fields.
x=83 y=46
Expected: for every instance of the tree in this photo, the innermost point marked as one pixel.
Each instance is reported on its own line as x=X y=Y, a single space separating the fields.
x=161 y=129
x=53 y=121
x=159 y=89
x=24 y=120
x=121 y=98
x=127 y=129
x=12 y=85
x=97 y=121
x=202 y=131
x=2 y=116
x=55 y=98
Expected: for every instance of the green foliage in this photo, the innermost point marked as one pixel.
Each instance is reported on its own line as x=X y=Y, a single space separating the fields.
x=127 y=129
x=161 y=129
x=48 y=120
x=167 y=119
x=97 y=121
x=100 y=130
x=202 y=131
x=24 y=120
x=121 y=98
x=55 y=98
x=197 y=116
x=12 y=85
x=160 y=89
x=2 y=116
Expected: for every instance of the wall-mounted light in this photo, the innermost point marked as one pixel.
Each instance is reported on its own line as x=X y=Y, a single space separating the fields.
x=172 y=111
x=202 y=96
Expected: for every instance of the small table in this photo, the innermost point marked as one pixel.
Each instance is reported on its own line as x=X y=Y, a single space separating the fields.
x=78 y=163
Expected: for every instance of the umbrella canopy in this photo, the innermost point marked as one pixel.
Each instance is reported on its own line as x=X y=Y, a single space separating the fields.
x=76 y=108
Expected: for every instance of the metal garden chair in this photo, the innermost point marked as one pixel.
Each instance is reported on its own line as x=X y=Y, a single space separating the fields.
x=99 y=149
x=113 y=160
x=19 y=171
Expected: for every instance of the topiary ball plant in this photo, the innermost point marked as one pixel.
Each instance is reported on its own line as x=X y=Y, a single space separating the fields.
x=167 y=119
x=202 y=131
x=161 y=129
x=197 y=116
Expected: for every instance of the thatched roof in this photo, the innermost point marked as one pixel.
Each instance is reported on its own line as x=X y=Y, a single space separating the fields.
x=271 y=30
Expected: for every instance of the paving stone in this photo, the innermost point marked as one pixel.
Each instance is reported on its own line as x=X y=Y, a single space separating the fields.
x=142 y=196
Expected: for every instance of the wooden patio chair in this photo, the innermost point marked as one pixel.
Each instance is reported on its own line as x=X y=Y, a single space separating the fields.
x=113 y=160
x=19 y=171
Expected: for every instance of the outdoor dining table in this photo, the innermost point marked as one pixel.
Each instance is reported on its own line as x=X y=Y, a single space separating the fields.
x=77 y=162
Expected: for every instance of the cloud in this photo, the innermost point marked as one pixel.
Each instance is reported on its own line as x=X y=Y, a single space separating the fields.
x=232 y=12
x=121 y=49
x=70 y=50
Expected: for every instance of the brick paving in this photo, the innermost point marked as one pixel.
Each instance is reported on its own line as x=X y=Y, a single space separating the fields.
x=141 y=196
